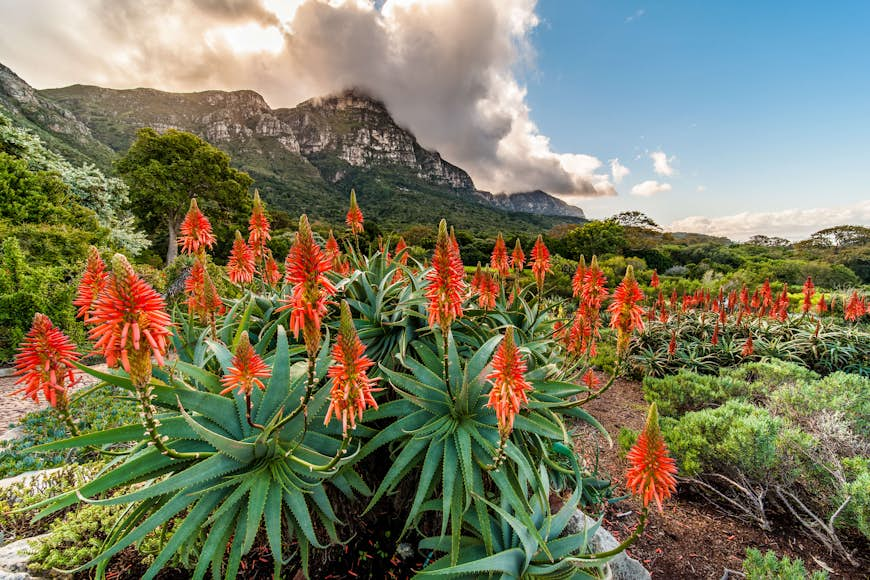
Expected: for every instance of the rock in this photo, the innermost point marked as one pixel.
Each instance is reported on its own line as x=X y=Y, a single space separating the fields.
x=28 y=477
x=14 y=558
x=622 y=567
x=12 y=434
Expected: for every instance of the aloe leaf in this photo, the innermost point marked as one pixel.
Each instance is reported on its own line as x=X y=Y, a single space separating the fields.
x=295 y=500
x=279 y=383
x=208 y=380
x=448 y=481
x=239 y=450
x=256 y=506
x=235 y=557
x=410 y=453
x=430 y=467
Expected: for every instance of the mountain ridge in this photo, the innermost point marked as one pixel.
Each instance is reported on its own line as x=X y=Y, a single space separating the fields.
x=304 y=158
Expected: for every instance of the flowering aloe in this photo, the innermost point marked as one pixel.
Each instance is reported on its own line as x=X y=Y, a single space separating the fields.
x=446 y=281
x=92 y=283
x=499 y=259
x=258 y=229
x=45 y=362
x=202 y=296
x=354 y=217
x=654 y=279
x=651 y=472
x=748 y=347
x=352 y=388
x=518 y=258
x=305 y=268
x=487 y=291
x=594 y=288
x=241 y=266
x=540 y=262
x=271 y=270
x=822 y=306
x=246 y=369
x=130 y=322
x=590 y=379
x=855 y=307
x=509 y=384
x=626 y=314
x=196 y=235
x=809 y=291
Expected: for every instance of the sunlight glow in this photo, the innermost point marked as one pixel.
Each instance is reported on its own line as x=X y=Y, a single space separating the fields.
x=247 y=38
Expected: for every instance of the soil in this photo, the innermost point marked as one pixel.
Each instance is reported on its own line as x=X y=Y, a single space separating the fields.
x=692 y=538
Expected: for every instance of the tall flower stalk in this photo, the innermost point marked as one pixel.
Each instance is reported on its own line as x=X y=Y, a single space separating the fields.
x=245 y=372
x=196 y=235
x=626 y=313
x=92 y=283
x=540 y=262
x=499 y=260
x=510 y=388
x=446 y=288
x=258 y=230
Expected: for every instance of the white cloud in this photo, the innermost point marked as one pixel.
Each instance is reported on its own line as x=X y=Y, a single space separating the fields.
x=618 y=170
x=662 y=163
x=793 y=224
x=446 y=69
x=637 y=14
x=650 y=187
x=701 y=188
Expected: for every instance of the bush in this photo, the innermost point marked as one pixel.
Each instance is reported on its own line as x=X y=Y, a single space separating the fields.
x=839 y=392
x=688 y=391
x=769 y=375
x=768 y=567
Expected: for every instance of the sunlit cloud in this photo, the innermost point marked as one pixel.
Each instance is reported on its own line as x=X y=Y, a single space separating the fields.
x=662 y=163
x=618 y=171
x=649 y=188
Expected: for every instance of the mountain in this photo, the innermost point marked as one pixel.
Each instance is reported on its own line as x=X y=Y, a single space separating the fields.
x=304 y=159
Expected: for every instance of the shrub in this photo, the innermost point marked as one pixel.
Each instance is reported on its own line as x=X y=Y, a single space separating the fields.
x=688 y=391
x=840 y=392
x=769 y=375
x=768 y=567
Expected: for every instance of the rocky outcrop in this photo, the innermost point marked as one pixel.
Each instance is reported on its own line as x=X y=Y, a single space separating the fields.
x=621 y=566
x=536 y=202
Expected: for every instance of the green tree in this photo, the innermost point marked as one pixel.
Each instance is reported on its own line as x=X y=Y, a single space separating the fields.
x=595 y=238
x=164 y=171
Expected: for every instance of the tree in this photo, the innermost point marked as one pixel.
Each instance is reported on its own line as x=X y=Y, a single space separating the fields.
x=635 y=219
x=768 y=241
x=164 y=171
x=840 y=237
x=595 y=238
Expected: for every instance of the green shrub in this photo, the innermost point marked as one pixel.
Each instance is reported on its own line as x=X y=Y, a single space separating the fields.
x=857 y=512
x=688 y=391
x=736 y=436
x=840 y=392
x=625 y=439
x=768 y=567
x=769 y=375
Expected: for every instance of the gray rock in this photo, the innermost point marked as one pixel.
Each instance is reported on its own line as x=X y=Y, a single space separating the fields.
x=28 y=477
x=14 y=558
x=12 y=434
x=622 y=567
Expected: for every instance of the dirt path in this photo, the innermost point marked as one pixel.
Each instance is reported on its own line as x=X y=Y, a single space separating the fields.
x=691 y=539
x=12 y=408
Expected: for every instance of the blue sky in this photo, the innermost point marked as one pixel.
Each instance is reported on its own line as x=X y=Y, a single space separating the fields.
x=756 y=113
x=764 y=105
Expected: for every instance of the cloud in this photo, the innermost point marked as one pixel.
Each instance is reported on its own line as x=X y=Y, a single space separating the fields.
x=794 y=224
x=618 y=170
x=637 y=14
x=662 y=163
x=446 y=69
x=650 y=187
x=701 y=188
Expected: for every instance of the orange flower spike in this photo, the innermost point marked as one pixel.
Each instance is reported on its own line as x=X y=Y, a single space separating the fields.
x=246 y=369
x=401 y=250
x=594 y=289
x=651 y=473
x=499 y=259
x=45 y=362
x=822 y=306
x=748 y=347
x=855 y=307
x=518 y=258
x=714 y=340
x=196 y=235
x=672 y=346
x=654 y=280
x=352 y=388
x=258 y=228
x=540 y=262
x=202 y=297
x=92 y=283
x=509 y=384
x=626 y=313
x=354 y=217
x=241 y=266
x=305 y=268
x=271 y=270
x=130 y=322
x=487 y=291
x=590 y=379
x=476 y=279
x=446 y=281
x=577 y=280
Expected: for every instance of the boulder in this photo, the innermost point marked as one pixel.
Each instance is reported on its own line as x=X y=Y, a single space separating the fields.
x=621 y=566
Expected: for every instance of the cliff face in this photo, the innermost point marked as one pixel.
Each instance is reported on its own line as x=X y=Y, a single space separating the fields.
x=303 y=158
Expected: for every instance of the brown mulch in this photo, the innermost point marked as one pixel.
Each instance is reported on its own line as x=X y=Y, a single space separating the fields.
x=691 y=539
x=12 y=408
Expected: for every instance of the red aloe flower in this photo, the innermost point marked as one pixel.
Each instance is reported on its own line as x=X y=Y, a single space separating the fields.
x=258 y=228
x=241 y=266
x=654 y=280
x=45 y=362
x=651 y=472
x=855 y=307
x=305 y=268
x=246 y=369
x=672 y=346
x=518 y=258
x=714 y=340
x=766 y=298
x=446 y=281
x=809 y=291
x=822 y=306
x=476 y=278
x=594 y=289
x=271 y=270
x=196 y=233
x=354 y=217
x=487 y=291
x=540 y=262
x=352 y=388
x=509 y=384
x=130 y=321
x=590 y=379
x=202 y=297
x=748 y=348
x=577 y=280
x=401 y=252
x=626 y=314
x=499 y=259
x=93 y=282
